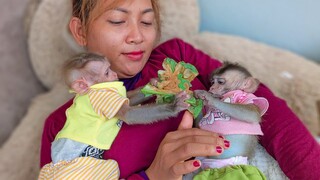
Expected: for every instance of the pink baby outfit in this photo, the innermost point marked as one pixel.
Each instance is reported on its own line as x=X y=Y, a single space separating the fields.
x=217 y=121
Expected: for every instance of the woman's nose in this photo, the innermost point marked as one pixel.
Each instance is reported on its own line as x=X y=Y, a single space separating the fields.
x=135 y=35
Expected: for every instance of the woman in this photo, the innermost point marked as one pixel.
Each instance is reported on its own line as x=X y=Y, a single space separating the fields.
x=126 y=31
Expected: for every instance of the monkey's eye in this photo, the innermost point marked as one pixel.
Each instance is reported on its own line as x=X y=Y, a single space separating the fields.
x=221 y=81
x=107 y=72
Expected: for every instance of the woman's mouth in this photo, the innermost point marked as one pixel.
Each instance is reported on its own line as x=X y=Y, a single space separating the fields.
x=134 y=55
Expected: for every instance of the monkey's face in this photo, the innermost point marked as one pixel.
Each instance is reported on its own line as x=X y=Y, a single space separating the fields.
x=228 y=81
x=107 y=74
x=217 y=85
x=102 y=71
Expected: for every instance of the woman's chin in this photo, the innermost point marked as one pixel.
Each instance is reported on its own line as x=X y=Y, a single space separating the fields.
x=128 y=74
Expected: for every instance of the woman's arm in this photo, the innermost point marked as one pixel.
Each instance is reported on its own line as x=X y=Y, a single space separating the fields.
x=288 y=140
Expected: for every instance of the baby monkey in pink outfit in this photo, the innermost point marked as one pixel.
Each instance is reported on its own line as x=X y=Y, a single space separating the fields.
x=232 y=110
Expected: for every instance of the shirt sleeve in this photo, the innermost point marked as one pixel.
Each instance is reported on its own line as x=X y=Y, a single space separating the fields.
x=107 y=102
x=260 y=102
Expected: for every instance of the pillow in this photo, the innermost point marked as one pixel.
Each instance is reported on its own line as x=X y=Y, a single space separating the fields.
x=47 y=47
x=179 y=18
x=18 y=82
x=50 y=43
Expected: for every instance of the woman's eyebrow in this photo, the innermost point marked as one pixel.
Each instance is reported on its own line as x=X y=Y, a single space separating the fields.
x=147 y=10
x=126 y=11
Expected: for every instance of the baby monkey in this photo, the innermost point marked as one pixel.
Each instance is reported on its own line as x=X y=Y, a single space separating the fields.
x=94 y=118
x=235 y=112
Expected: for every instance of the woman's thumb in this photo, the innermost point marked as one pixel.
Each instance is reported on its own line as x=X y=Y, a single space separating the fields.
x=187 y=121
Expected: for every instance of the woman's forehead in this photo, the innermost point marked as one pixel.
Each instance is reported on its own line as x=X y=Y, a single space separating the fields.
x=105 y=5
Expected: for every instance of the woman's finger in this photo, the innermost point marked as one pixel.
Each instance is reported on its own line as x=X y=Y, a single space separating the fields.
x=185 y=129
x=213 y=140
x=186 y=167
x=187 y=121
x=187 y=151
x=182 y=133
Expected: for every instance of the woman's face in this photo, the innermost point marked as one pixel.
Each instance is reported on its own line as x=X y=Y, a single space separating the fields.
x=126 y=35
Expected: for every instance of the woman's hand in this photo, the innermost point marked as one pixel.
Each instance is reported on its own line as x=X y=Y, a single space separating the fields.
x=173 y=158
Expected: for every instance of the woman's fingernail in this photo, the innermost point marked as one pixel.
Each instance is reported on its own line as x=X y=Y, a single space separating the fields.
x=226 y=143
x=219 y=149
x=196 y=164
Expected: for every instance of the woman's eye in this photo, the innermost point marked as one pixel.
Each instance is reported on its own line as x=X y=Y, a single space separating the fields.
x=146 y=23
x=116 y=22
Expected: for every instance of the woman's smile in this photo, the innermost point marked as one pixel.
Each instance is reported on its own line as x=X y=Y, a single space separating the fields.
x=134 y=55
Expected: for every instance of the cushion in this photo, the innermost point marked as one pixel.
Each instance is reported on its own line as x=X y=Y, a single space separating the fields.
x=18 y=82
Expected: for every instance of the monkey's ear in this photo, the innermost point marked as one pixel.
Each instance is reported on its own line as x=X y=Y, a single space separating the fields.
x=80 y=86
x=250 y=85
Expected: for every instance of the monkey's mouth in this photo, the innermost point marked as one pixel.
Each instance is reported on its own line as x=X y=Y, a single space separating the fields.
x=216 y=95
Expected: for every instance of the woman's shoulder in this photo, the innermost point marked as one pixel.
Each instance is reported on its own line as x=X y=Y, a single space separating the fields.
x=172 y=42
x=174 y=48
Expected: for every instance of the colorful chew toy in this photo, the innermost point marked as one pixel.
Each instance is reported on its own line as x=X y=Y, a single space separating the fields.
x=175 y=77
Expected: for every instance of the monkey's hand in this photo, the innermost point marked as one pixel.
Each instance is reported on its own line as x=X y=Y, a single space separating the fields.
x=179 y=103
x=207 y=97
x=154 y=82
x=202 y=94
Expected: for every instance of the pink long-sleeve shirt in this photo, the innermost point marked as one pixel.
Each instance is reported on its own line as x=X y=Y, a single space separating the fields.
x=285 y=137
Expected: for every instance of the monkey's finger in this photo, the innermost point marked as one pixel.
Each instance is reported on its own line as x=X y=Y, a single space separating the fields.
x=182 y=105
x=154 y=82
x=183 y=95
x=199 y=94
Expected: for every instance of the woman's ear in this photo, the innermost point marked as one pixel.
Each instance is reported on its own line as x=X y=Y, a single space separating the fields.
x=250 y=85
x=77 y=31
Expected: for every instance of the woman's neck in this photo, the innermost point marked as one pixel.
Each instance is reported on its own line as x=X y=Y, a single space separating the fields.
x=130 y=83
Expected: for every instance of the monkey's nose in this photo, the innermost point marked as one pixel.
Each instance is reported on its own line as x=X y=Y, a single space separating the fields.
x=212 y=88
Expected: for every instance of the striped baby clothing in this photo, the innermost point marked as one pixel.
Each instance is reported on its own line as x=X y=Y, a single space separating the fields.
x=91 y=118
x=81 y=168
